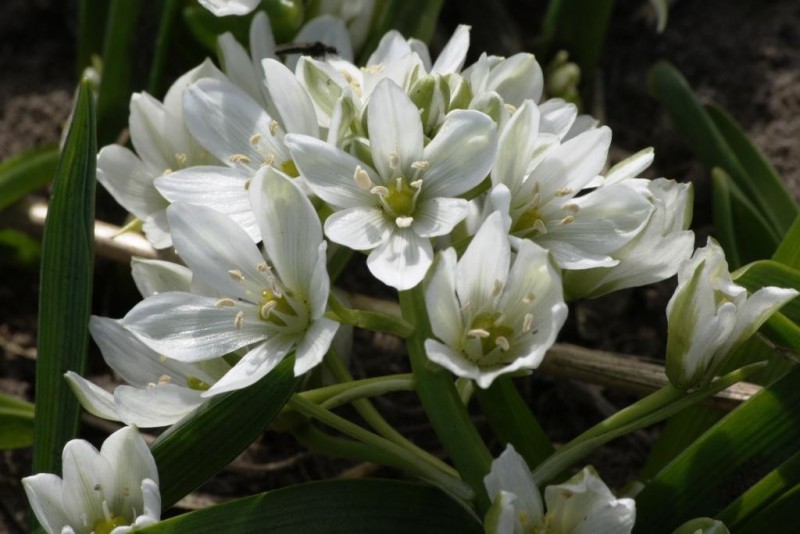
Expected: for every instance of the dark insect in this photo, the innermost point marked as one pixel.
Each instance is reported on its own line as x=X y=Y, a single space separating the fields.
x=315 y=49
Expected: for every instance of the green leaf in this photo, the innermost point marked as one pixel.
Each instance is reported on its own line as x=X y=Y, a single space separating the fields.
x=200 y=445
x=122 y=28
x=16 y=422
x=170 y=9
x=788 y=251
x=205 y=26
x=513 y=422
x=770 y=193
x=91 y=25
x=26 y=172
x=779 y=516
x=744 y=234
x=750 y=441
x=412 y=18
x=761 y=495
x=66 y=287
x=334 y=506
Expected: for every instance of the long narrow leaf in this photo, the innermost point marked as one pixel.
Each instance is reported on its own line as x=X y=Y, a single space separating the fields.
x=169 y=15
x=115 y=87
x=16 y=422
x=91 y=23
x=335 y=506
x=779 y=516
x=749 y=442
x=66 y=287
x=199 y=446
x=723 y=216
x=26 y=172
x=788 y=251
x=771 y=195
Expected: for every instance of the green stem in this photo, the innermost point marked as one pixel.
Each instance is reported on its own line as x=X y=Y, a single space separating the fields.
x=654 y=408
x=374 y=419
x=317 y=441
x=338 y=261
x=437 y=392
x=169 y=14
x=409 y=462
x=367 y=387
x=368 y=320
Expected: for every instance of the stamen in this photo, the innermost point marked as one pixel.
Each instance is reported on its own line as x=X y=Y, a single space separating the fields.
x=379 y=190
x=564 y=191
x=238 y=158
x=539 y=226
x=478 y=332
x=502 y=342
x=166 y=172
x=394 y=160
x=181 y=158
x=497 y=288
x=511 y=109
x=162 y=358
x=225 y=303
x=255 y=139
x=106 y=511
x=267 y=308
x=420 y=165
x=527 y=299
x=262 y=267
x=273 y=127
x=247 y=184
x=362 y=178
x=238 y=321
x=572 y=207
x=416 y=184
x=236 y=274
x=404 y=222
x=527 y=322
x=566 y=220
x=269 y=160
x=374 y=69
x=164 y=379
x=537 y=199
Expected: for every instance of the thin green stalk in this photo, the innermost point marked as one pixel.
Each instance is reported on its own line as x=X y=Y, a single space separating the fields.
x=656 y=407
x=410 y=462
x=169 y=14
x=317 y=441
x=366 y=387
x=368 y=320
x=437 y=392
x=373 y=417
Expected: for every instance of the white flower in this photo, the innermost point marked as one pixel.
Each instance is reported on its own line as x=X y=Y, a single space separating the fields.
x=709 y=316
x=222 y=8
x=110 y=491
x=581 y=505
x=393 y=207
x=163 y=144
x=540 y=187
x=273 y=303
x=356 y=14
x=493 y=316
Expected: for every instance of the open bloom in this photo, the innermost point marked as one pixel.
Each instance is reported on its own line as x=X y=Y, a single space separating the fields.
x=272 y=303
x=493 y=316
x=709 y=316
x=581 y=505
x=408 y=196
x=223 y=8
x=110 y=491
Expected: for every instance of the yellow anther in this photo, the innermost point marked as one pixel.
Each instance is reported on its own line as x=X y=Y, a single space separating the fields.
x=511 y=108
x=238 y=158
x=497 y=288
x=539 y=226
x=374 y=69
x=273 y=127
x=566 y=220
x=362 y=178
x=267 y=308
x=394 y=159
x=564 y=192
x=416 y=184
x=238 y=321
x=527 y=299
x=379 y=190
x=262 y=267
x=236 y=274
x=404 y=222
x=225 y=303
x=502 y=342
x=247 y=184
x=255 y=139
x=527 y=322
x=420 y=165
x=164 y=379
x=571 y=207
x=181 y=158
x=478 y=332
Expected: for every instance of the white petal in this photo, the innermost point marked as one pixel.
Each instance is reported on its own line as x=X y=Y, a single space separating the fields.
x=262 y=40
x=220 y=188
x=315 y=343
x=44 y=492
x=132 y=462
x=173 y=100
x=124 y=175
x=226 y=121
x=192 y=328
x=157 y=406
x=510 y=473
x=290 y=98
x=154 y=135
x=630 y=167
x=88 y=480
x=156 y=230
x=158 y=276
x=452 y=57
x=254 y=365
x=395 y=129
x=324 y=84
x=444 y=309
x=484 y=264
x=290 y=226
x=517 y=79
x=402 y=261
x=391 y=47
x=93 y=398
x=461 y=154
x=358 y=228
x=151 y=499
x=223 y=8
x=450 y=359
x=557 y=116
x=573 y=164
x=516 y=146
x=438 y=216
x=213 y=246
x=757 y=309
x=330 y=171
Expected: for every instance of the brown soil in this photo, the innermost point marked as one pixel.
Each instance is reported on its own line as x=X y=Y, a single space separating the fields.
x=745 y=55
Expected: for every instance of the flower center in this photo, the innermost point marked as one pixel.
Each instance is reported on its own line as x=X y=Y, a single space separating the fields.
x=290 y=169
x=196 y=384
x=529 y=224
x=492 y=333
x=105 y=526
x=273 y=307
x=400 y=198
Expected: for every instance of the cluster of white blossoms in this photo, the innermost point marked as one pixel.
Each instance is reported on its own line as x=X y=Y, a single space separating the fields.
x=249 y=171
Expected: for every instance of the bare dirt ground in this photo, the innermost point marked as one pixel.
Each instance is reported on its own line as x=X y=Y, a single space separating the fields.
x=745 y=55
